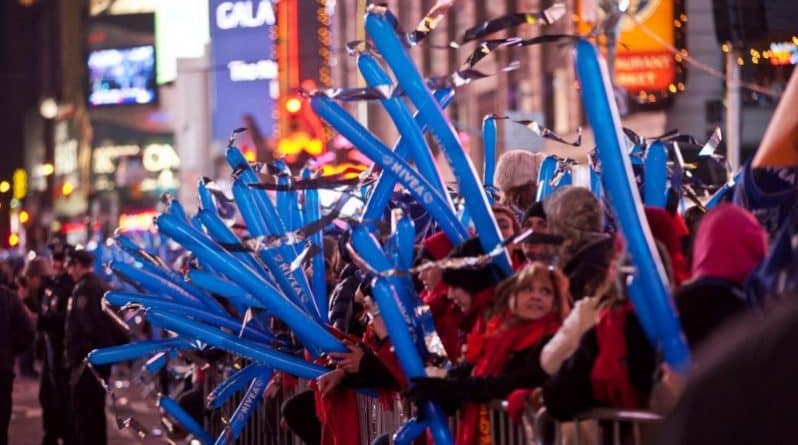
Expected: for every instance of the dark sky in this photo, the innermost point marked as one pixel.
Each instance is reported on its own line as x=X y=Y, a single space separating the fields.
x=19 y=84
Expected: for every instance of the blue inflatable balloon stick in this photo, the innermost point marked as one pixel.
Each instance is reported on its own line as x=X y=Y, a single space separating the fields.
x=369 y=145
x=411 y=133
x=246 y=348
x=409 y=358
x=159 y=285
x=312 y=335
x=248 y=331
x=545 y=174
x=224 y=288
x=249 y=403
x=156 y=363
x=620 y=187
x=595 y=182
x=385 y=38
x=311 y=212
x=176 y=412
x=655 y=180
x=382 y=191
x=234 y=383
x=489 y=144
x=131 y=351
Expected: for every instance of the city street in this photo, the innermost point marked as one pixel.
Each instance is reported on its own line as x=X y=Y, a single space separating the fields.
x=26 y=423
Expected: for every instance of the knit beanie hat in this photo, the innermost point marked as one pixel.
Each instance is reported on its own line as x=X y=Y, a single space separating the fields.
x=516 y=168
x=535 y=210
x=435 y=247
x=472 y=280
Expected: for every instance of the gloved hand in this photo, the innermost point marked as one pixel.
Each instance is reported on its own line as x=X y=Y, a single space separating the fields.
x=516 y=404
x=565 y=342
x=435 y=389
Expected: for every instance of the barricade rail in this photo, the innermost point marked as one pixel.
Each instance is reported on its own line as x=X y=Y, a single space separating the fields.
x=264 y=427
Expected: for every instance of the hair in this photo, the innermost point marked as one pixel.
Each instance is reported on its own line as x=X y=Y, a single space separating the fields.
x=520 y=197
x=506 y=290
x=500 y=208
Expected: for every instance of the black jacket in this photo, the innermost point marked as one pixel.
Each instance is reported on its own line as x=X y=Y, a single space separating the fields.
x=588 y=268
x=343 y=312
x=87 y=326
x=569 y=392
x=16 y=332
x=521 y=371
x=744 y=391
x=52 y=318
x=705 y=304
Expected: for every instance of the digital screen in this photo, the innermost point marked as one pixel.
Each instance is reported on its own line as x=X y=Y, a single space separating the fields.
x=245 y=70
x=122 y=76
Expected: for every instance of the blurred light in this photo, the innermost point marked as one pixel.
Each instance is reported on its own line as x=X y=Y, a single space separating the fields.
x=249 y=155
x=46 y=169
x=740 y=61
x=623 y=5
x=48 y=108
x=31 y=255
x=67 y=188
x=293 y=105
x=24 y=217
x=5 y=186
x=725 y=47
x=672 y=88
x=13 y=240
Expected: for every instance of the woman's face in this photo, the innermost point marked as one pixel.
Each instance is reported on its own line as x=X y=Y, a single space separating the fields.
x=535 y=300
x=505 y=223
x=460 y=297
x=430 y=277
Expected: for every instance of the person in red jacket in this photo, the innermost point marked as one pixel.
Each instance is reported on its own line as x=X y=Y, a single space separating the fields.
x=505 y=355
x=445 y=313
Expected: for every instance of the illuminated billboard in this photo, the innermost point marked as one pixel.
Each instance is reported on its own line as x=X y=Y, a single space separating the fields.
x=244 y=71
x=649 y=57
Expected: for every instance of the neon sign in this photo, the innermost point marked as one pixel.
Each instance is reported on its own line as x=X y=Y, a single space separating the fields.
x=244 y=14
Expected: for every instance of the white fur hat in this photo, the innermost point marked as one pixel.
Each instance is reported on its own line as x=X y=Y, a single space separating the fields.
x=516 y=168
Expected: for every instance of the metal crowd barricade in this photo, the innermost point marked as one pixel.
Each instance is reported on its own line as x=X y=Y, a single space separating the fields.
x=638 y=420
x=264 y=428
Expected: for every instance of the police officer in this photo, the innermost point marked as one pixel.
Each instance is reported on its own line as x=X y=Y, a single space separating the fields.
x=16 y=335
x=88 y=328
x=53 y=292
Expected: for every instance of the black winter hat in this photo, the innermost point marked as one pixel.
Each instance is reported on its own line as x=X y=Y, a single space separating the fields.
x=536 y=209
x=472 y=280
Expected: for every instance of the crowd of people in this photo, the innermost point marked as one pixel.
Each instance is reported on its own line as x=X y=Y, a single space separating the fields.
x=559 y=335
x=51 y=312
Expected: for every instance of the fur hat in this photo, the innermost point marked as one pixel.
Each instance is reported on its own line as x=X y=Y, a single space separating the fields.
x=576 y=215
x=516 y=168
x=472 y=280
x=573 y=208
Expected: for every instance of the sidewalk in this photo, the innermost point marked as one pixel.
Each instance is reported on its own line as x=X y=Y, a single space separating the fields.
x=26 y=422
